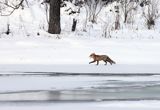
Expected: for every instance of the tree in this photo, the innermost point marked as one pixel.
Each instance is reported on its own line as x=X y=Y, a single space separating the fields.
x=54 y=17
x=93 y=8
x=151 y=12
x=127 y=7
x=117 y=18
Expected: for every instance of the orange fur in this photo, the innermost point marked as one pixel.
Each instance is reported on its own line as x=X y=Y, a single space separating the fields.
x=97 y=58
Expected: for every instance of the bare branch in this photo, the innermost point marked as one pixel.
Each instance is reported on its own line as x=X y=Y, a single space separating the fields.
x=12 y=6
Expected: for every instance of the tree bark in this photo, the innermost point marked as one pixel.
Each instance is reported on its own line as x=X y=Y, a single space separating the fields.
x=54 y=17
x=74 y=24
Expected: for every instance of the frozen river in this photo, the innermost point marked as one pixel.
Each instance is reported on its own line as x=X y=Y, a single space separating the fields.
x=60 y=87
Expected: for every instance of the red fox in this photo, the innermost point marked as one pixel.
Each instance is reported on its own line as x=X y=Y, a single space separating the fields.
x=98 y=58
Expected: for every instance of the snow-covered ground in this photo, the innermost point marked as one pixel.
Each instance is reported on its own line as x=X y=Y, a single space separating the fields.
x=71 y=54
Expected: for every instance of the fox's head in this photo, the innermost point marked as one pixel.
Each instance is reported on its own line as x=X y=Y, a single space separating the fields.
x=92 y=55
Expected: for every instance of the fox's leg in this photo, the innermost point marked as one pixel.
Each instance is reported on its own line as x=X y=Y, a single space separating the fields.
x=92 y=61
x=105 y=62
x=97 y=62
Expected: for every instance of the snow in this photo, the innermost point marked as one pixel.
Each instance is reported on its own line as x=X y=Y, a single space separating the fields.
x=134 y=49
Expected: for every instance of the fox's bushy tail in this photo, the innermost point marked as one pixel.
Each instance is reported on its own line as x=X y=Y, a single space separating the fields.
x=110 y=60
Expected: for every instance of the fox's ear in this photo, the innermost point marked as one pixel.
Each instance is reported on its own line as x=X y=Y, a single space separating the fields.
x=92 y=54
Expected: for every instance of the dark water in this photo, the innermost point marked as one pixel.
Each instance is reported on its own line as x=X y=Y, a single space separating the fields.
x=113 y=89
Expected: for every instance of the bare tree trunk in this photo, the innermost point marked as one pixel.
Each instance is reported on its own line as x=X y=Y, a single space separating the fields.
x=125 y=17
x=117 y=22
x=125 y=11
x=74 y=24
x=54 y=17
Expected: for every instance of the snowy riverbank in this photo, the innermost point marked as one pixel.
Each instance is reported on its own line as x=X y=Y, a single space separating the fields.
x=72 y=55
